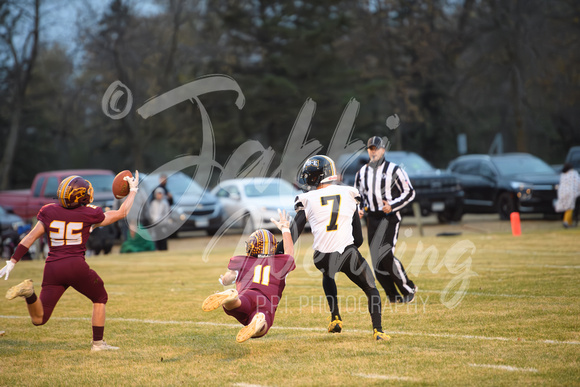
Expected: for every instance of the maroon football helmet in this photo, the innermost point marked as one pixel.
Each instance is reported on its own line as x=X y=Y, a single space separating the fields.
x=74 y=191
x=261 y=243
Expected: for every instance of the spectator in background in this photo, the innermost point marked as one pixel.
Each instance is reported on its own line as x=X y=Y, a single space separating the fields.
x=134 y=242
x=102 y=238
x=163 y=186
x=160 y=220
x=568 y=192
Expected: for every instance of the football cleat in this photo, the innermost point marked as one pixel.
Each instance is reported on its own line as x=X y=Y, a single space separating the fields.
x=335 y=325
x=218 y=299
x=24 y=289
x=380 y=336
x=410 y=297
x=254 y=327
x=101 y=345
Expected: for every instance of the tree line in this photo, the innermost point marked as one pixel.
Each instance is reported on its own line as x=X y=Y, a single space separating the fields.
x=444 y=67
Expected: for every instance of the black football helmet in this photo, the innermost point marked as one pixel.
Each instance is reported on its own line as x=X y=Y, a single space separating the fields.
x=317 y=170
x=74 y=191
x=261 y=243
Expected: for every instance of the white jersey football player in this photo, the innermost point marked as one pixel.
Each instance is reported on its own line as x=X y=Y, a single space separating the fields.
x=332 y=211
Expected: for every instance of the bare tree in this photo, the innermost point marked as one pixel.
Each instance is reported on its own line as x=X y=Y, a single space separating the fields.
x=14 y=16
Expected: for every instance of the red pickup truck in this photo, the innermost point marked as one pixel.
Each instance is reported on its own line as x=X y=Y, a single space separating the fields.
x=26 y=203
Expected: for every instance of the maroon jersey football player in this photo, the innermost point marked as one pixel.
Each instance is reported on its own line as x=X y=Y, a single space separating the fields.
x=67 y=226
x=260 y=278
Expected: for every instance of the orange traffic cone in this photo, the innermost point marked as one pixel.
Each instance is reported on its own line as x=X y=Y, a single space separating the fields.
x=516 y=226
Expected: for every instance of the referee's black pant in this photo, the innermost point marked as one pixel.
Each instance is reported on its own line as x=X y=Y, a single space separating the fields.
x=383 y=231
x=356 y=268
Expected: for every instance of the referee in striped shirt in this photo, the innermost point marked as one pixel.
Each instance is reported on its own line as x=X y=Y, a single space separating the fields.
x=385 y=189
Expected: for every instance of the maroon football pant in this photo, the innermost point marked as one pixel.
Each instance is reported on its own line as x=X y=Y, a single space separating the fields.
x=253 y=302
x=75 y=272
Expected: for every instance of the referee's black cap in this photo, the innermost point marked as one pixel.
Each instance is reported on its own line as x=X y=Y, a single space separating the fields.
x=375 y=141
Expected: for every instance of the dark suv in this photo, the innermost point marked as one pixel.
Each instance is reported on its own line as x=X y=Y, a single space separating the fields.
x=573 y=157
x=506 y=183
x=436 y=191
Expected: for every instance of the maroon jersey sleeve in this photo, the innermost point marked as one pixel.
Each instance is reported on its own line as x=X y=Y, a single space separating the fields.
x=68 y=230
x=237 y=263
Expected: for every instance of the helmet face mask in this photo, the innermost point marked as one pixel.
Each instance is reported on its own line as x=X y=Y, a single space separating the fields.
x=317 y=170
x=74 y=191
x=261 y=243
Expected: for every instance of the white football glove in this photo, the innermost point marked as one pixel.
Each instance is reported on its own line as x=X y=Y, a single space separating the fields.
x=7 y=269
x=133 y=181
x=284 y=223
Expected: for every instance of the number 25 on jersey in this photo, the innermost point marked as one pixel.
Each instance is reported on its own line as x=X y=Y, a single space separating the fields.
x=67 y=233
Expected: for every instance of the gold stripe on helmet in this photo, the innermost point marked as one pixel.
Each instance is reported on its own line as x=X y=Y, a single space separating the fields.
x=62 y=194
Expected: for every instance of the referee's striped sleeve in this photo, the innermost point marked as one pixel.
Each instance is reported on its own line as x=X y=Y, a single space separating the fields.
x=401 y=179
x=357 y=185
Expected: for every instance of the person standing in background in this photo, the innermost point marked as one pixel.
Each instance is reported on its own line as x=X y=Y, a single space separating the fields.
x=568 y=192
x=385 y=189
x=159 y=214
x=163 y=186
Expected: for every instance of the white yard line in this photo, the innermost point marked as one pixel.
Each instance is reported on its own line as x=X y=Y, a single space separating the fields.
x=421 y=291
x=282 y=328
x=504 y=367
x=547 y=253
x=386 y=377
x=492 y=294
x=560 y=267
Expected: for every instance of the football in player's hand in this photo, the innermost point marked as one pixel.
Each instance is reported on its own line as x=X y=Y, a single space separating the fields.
x=120 y=185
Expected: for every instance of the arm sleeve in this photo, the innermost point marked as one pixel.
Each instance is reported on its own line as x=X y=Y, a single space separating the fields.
x=407 y=192
x=296 y=228
x=236 y=263
x=357 y=185
x=357 y=230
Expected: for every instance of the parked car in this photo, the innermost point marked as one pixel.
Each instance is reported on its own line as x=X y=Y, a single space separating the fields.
x=506 y=183
x=251 y=202
x=12 y=227
x=26 y=203
x=573 y=157
x=193 y=207
x=9 y=220
x=437 y=192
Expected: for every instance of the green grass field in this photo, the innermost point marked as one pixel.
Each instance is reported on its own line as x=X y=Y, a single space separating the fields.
x=492 y=309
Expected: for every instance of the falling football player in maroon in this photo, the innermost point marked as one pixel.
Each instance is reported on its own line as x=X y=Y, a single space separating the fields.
x=67 y=225
x=260 y=278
